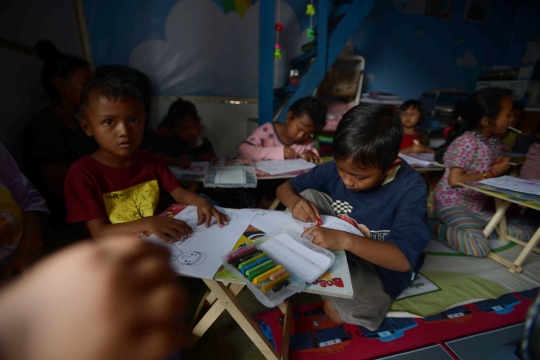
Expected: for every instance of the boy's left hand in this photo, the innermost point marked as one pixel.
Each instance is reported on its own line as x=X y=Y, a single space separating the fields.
x=205 y=211
x=311 y=157
x=327 y=238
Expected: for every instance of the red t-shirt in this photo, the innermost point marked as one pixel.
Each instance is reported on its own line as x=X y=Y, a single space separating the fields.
x=94 y=190
x=408 y=140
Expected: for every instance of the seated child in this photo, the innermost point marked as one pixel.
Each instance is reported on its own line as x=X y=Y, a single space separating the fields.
x=473 y=152
x=22 y=213
x=116 y=190
x=278 y=141
x=186 y=143
x=531 y=168
x=369 y=186
x=414 y=141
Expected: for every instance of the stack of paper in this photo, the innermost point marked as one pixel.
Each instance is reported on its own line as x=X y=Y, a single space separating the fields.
x=515 y=184
x=421 y=160
x=276 y=167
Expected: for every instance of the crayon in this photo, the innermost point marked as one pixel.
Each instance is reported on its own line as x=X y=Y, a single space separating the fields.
x=240 y=251
x=267 y=274
x=278 y=274
x=252 y=265
x=258 y=267
x=280 y=286
x=271 y=284
x=516 y=130
x=319 y=222
x=260 y=271
x=238 y=257
x=252 y=260
x=246 y=258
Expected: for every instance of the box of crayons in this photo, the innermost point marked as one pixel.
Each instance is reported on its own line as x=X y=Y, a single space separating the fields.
x=278 y=265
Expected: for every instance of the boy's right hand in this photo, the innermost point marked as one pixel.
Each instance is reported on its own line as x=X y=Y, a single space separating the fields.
x=501 y=166
x=289 y=153
x=162 y=225
x=305 y=211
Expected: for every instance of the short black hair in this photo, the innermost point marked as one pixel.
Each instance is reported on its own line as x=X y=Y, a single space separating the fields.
x=314 y=108
x=369 y=135
x=57 y=64
x=109 y=88
x=415 y=104
x=178 y=112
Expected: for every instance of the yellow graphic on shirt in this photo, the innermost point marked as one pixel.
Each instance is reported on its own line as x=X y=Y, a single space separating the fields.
x=132 y=203
x=11 y=219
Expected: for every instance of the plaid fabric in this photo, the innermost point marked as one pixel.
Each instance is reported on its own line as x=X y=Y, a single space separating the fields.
x=461 y=230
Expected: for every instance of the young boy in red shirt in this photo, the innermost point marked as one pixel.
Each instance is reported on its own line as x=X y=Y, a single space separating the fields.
x=115 y=191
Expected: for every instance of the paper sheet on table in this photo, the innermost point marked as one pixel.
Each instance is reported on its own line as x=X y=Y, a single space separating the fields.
x=200 y=255
x=422 y=160
x=268 y=221
x=514 y=184
x=197 y=170
x=276 y=167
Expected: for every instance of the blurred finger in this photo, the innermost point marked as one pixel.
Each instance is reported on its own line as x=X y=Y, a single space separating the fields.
x=153 y=271
x=165 y=303
x=208 y=217
x=159 y=341
x=129 y=249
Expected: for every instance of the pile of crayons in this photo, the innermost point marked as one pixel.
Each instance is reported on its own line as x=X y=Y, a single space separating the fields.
x=258 y=268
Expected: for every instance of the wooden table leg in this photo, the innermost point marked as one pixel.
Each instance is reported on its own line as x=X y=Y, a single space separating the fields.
x=528 y=248
x=286 y=309
x=503 y=229
x=229 y=302
x=513 y=268
x=274 y=204
x=211 y=315
x=499 y=214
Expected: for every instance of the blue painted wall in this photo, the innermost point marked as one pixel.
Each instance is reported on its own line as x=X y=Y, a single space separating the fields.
x=406 y=52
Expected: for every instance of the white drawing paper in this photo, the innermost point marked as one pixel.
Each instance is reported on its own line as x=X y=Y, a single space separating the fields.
x=200 y=255
x=273 y=220
x=421 y=160
x=514 y=184
x=276 y=167
x=420 y=285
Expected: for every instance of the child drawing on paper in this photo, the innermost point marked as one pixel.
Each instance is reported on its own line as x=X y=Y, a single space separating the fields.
x=192 y=258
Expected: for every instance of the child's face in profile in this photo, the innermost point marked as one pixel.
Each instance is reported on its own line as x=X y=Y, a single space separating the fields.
x=188 y=130
x=517 y=113
x=117 y=126
x=299 y=128
x=410 y=117
x=500 y=125
x=360 y=179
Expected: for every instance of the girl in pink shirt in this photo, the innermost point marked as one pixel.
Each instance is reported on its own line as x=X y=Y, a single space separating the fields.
x=289 y=140
x=472 y=153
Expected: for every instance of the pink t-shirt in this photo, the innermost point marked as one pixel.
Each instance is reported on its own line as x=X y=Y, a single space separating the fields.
x=473 y=153
x=265 y=144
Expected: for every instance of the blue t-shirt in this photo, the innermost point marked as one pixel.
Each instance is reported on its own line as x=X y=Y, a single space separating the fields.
x=395 y=212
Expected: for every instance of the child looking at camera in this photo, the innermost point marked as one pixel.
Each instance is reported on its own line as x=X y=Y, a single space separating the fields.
x=411 y=113
x=115 y=190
